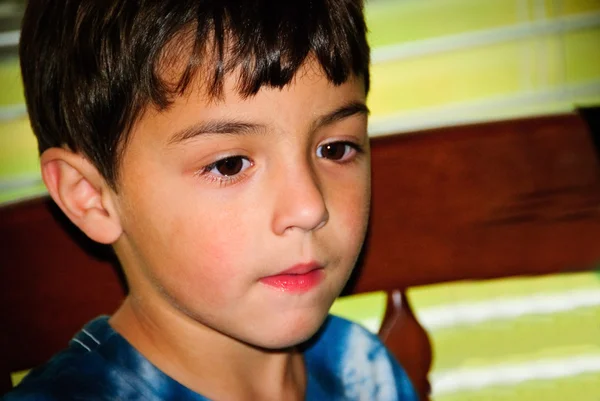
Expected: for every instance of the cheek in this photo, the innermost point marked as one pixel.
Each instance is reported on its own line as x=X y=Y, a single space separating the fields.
x=352 y=204
x=216 y=264
x=191 y=249
x=349 y=213
x=206 y=270
x=212 y=245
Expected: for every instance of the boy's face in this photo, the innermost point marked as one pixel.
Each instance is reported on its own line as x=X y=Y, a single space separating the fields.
x=218 y=199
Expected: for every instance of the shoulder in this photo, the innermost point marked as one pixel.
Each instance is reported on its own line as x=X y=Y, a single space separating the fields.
x=359 y=362
x=99 y=365
x=69 y=375
x=81 y=371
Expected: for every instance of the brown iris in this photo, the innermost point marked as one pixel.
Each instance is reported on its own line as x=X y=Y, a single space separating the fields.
x=230 y=166
x=333 y=151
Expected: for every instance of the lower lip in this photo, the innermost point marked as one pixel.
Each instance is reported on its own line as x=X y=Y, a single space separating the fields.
x=294 y=282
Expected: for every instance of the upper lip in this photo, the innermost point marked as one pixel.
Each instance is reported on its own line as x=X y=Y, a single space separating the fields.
x=300 y=268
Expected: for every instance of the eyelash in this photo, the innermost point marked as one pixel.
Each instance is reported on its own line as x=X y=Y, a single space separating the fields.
x=224 y=180
x=353 y=146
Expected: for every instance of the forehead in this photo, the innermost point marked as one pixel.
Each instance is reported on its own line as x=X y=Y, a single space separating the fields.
x=308 y=96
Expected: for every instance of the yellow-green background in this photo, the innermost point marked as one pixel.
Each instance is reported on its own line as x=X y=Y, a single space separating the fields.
x=532 y=337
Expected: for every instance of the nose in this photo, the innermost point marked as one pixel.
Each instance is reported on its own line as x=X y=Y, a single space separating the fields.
x=299 y=203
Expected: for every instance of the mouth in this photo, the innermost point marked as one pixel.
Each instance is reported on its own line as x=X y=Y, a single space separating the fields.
x=299 y=278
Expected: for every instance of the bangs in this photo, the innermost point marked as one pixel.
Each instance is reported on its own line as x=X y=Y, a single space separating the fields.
x=265 y=43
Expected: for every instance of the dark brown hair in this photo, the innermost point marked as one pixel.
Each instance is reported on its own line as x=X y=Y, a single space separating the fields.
x=90 y=67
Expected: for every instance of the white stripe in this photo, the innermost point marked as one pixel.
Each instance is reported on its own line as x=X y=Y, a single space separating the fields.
x=458 y=314
x=21 y=182
x=12 y=112
x=82 y=344
x=419 y=48
x=471 y=379
x=559 y=99
x=90 y=336
x=10 y=38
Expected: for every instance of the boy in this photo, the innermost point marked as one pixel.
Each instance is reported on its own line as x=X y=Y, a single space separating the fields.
x=221 y=148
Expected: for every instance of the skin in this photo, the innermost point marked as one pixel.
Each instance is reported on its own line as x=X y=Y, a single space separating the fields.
x=195 y=244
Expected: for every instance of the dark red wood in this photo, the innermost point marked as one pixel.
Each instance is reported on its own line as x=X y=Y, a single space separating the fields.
x=483 y=201
x=51 y=283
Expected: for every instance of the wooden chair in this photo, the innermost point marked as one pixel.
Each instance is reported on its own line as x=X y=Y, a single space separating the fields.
x=474 y=202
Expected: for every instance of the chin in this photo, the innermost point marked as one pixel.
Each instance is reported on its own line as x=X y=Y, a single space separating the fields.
x=291 y=332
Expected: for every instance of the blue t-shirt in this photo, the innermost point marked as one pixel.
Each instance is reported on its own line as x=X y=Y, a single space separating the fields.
x=344 y=362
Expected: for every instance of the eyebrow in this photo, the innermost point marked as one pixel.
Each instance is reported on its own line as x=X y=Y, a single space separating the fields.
x=232 y=127
x=341 y=113
x=217 y=127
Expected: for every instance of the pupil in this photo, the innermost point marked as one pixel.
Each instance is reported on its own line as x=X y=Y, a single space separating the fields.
x=334 y=151
x=230 y=166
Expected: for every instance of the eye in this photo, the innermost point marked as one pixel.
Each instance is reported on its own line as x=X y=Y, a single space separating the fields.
x=228 y=167
x=337 y=151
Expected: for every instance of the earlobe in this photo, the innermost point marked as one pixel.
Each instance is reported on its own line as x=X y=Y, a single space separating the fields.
x=82 y=194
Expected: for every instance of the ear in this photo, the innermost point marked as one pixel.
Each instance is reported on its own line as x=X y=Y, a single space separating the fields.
x=82 y=194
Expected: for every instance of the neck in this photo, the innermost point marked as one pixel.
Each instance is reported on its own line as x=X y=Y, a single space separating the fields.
x=206 y=361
